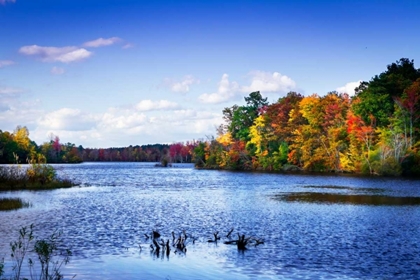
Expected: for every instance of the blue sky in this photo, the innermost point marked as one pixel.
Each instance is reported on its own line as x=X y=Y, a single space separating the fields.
x=119 y=73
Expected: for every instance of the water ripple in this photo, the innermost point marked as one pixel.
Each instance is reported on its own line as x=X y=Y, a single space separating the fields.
x=105 y=220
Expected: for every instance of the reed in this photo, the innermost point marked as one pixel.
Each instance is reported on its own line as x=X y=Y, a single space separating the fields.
x=37 y=176
x=7 y=204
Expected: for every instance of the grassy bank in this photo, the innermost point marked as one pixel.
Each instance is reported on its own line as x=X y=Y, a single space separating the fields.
x=35 y=177
x=7 y=204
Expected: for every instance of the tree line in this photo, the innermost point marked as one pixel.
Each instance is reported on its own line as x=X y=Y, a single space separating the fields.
x=376 y=131
x=17 y=147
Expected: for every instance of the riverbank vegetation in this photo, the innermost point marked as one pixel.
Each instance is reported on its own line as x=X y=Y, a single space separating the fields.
x=376 y=131
x=17 y=147
x=44 y=257
x=36 y=176
x=7 y=204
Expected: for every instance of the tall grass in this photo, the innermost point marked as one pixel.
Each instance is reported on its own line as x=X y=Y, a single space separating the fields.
x=7 y=204
x=48 y=261
x=37 y=176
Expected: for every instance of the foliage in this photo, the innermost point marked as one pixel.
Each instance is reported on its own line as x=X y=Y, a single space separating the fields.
x=20 y=248
x=47 y=251
x=19 y=144
x=374 y=132
x=41 y=173
x=33 y=177
x=240 y=118
x=377 y=96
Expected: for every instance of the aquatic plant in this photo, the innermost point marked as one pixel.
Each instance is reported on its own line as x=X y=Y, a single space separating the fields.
x=50 y=257
x=47 y=251
x=7 y=204
x=179 y=243
x=36 y=176
x=20 y=248
x=1 y=268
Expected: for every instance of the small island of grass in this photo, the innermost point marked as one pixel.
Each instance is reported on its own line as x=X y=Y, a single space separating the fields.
x=7 y=204
x=37 y=176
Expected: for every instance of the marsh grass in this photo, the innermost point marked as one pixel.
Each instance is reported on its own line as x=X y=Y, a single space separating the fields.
x=44 y=257
x=37 y=176
x=7 y=204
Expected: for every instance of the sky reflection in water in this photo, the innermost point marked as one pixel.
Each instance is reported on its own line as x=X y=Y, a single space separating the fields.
x=105 y=220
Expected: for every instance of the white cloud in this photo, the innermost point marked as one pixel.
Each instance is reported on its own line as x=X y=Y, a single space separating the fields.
x=8 y=99
x=57 y=70
x=68 y=119
x=149 y=105
x=128 y=46
x=100 y=42
x=14 y=112
x=226 y=91
x=3 y=2
x=349 y=88
x=54 y=54
x=266 y=82
x=269 y=82
x=4 y=63
x=184 y=85
x=115 y=120
x=9 y=90
x=119 y=126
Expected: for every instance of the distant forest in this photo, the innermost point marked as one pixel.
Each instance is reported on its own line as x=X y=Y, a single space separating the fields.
x=17 y=147
x=376 y=131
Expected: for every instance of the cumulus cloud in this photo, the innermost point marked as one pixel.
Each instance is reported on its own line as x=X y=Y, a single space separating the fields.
x=200 y=122
x=226 y=91
x=54 y=54
x=118 y=126
x=57 y=70
x=266 y=82
x=68 y=119
x=349 y=88
x=149 y=105
x=4 y=63
x=269 y=82
x=101 y=42
x=115 y=119
x=184 y=85
x=3 y=2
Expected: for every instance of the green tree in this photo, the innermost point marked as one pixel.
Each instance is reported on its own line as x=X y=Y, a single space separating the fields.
x=241 y=118
x=377 y=96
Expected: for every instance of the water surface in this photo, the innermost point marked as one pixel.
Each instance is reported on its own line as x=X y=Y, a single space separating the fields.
x=104 y=222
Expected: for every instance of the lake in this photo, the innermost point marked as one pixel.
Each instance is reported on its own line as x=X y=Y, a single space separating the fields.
x=313 y=226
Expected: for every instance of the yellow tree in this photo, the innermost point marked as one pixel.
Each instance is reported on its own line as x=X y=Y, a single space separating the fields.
x=26 y=150
x=304 y=149
x=225 y=140
x=259 y=136
x=334 y=140
x=21 y=136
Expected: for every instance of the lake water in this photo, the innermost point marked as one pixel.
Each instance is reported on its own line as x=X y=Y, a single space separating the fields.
x=313 y=227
